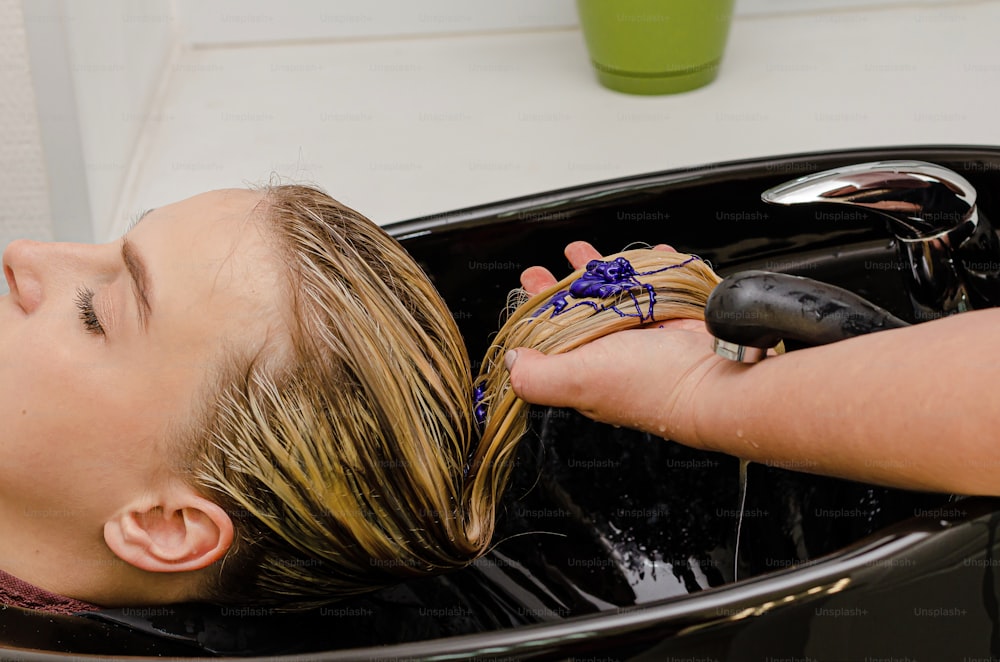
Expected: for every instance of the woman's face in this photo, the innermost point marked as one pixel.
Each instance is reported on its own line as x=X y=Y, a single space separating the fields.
x=104 y=347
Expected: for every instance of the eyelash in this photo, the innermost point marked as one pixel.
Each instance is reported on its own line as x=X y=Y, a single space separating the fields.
x=85 y=305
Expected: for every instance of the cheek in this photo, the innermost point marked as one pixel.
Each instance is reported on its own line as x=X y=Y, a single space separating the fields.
x=48 y=395
x=37 y=373
x=72 y=398
x=50 y=423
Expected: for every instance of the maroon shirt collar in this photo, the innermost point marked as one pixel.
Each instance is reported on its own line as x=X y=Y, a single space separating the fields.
x=19 y=593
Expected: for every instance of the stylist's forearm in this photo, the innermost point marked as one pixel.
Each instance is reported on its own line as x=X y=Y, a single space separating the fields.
x=916 y=407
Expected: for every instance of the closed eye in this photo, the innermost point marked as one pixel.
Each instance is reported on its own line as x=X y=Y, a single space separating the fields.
x=85 y=306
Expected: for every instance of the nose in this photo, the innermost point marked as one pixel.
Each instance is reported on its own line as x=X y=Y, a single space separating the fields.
x=22 y=267
x=36 y=269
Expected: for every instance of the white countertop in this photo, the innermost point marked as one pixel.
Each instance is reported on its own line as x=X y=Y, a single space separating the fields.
x=400 y=128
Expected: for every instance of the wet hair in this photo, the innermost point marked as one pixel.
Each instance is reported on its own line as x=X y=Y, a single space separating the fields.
x=354 y=459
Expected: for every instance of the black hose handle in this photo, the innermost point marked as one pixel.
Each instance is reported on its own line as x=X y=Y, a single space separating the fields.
x=762 y=308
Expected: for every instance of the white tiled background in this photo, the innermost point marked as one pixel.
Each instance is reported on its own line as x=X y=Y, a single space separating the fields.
x=402 y=108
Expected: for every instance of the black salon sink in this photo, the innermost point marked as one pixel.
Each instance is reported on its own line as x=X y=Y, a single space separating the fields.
x=615 y=545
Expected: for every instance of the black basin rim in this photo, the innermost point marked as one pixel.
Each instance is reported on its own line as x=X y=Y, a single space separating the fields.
x=536 y=204
x=871 y=553
x=534 y=639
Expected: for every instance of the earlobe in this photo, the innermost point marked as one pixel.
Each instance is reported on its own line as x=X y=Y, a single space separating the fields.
x=178 y=534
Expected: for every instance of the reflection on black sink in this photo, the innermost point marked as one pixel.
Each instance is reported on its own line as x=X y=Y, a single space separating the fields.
x=613 y=544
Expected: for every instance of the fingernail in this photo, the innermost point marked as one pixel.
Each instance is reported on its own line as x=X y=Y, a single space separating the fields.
x=509 y=358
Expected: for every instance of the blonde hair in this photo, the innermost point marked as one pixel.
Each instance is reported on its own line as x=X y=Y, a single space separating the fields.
x=356 y=462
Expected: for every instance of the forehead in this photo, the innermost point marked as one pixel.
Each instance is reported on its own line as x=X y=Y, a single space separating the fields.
x=214 y=268
x=226 y=228
x=206 y=211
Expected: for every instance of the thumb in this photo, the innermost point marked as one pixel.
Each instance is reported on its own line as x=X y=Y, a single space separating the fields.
x=545 y=380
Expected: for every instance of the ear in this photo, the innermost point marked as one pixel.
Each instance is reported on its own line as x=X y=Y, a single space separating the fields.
x=177 y=531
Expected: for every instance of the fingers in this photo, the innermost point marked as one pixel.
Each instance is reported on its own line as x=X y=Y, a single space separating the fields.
x=536 y=279
x=579 y=253
x=553 y=381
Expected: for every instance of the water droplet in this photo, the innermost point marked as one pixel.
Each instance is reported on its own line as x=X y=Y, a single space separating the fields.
x=739 y=433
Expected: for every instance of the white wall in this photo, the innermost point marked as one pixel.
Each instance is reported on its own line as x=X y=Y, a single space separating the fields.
x=95 y=65
x=24 y=189
x=214 y=22
x=235 y=21
x=118 y=49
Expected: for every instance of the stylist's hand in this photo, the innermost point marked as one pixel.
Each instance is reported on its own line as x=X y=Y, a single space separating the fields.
x=647 y=379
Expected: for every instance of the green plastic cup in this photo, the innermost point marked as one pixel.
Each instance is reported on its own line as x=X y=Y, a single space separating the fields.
x=655 y=46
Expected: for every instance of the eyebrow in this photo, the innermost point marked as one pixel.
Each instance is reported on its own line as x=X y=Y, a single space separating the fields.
x=140 y=281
